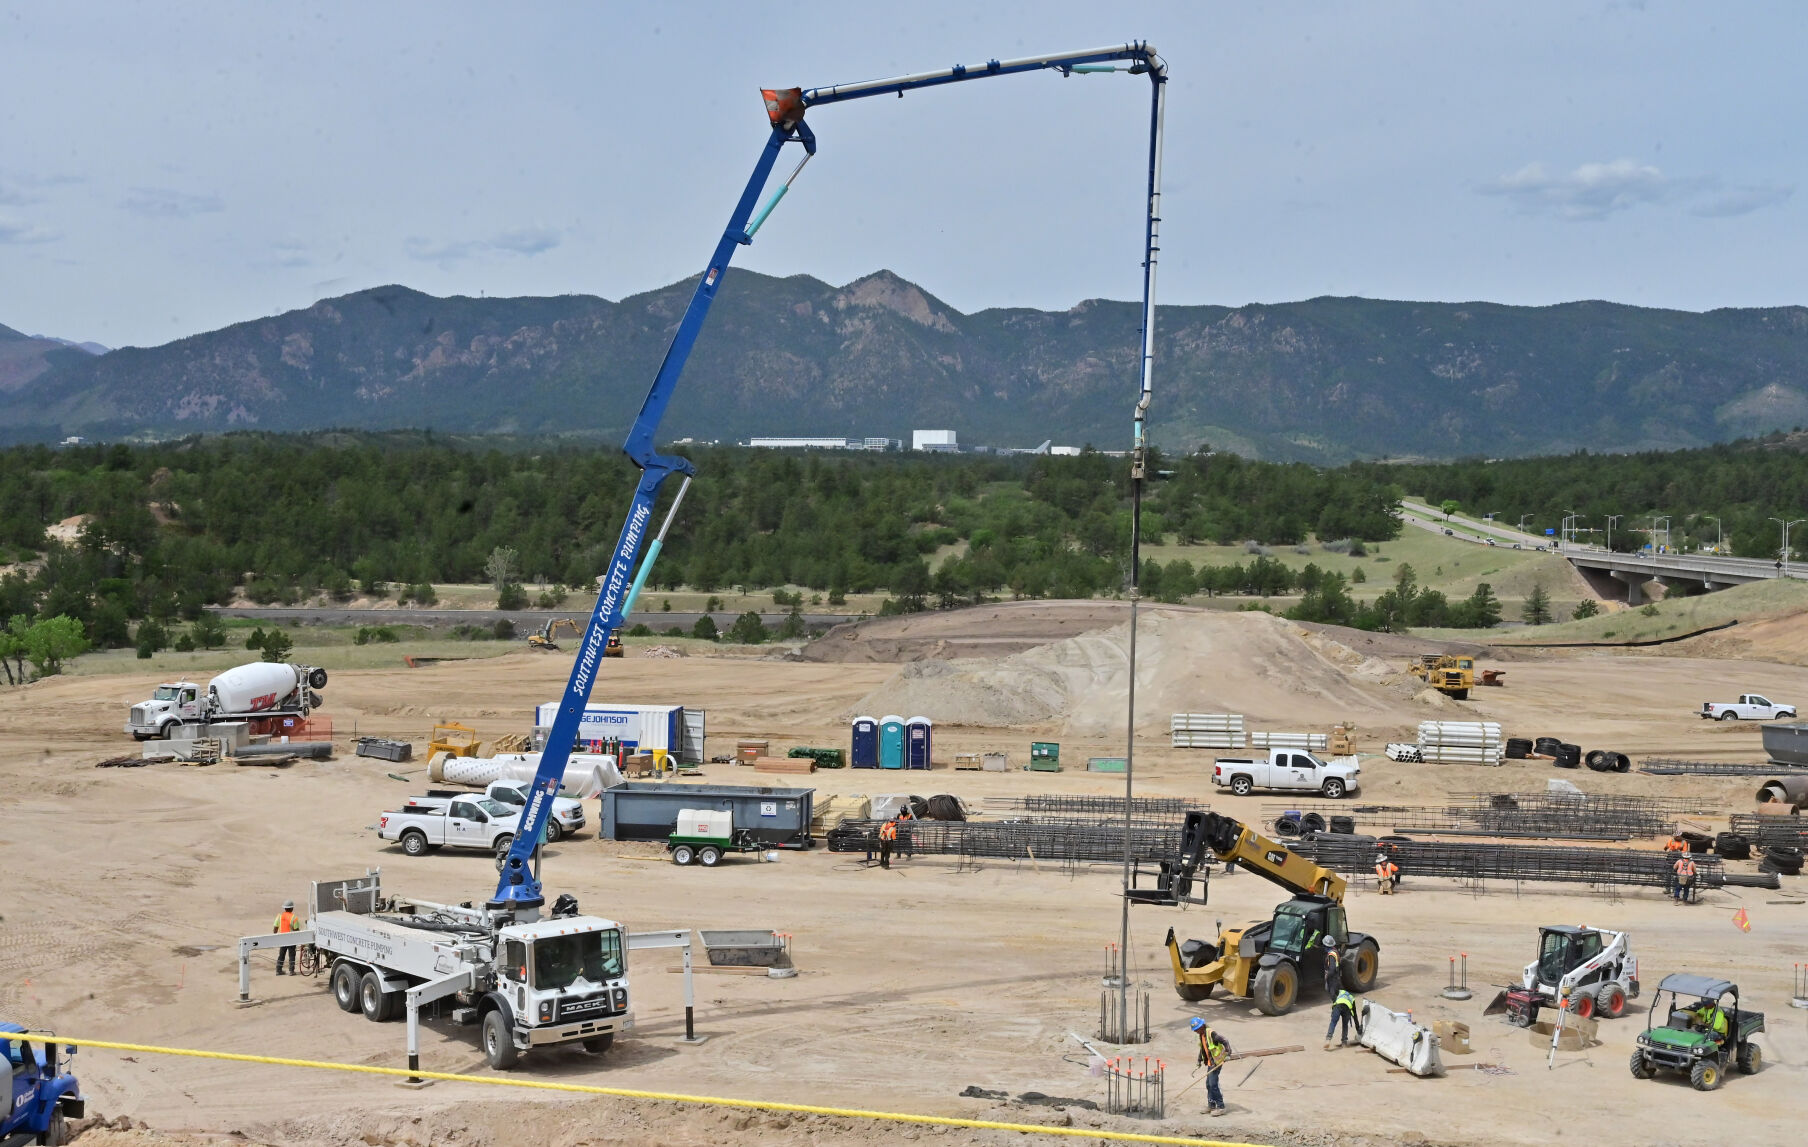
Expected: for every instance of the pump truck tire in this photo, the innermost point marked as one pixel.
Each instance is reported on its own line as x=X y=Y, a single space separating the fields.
x=1359 y=971
x=414 y=843
x=345 y=986
x=597 y=1045
x=1276 y=989
x=57 y=1133
x=498 y=1042
x=378 y=1006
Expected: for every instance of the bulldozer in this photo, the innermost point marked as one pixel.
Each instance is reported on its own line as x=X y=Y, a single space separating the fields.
x=1274 y=961
x=1449 y=675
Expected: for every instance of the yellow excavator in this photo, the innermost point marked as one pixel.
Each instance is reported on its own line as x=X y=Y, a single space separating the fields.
x=1270 y=961
x=1451 y=676
x=544 y=639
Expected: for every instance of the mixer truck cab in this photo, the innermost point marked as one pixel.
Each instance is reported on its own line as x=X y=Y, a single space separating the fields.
x=172 y=703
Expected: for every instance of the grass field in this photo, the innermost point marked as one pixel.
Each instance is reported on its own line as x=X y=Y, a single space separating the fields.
x=1668 y=618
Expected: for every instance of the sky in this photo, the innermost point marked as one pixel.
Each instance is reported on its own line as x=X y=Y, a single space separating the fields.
x=167 y=169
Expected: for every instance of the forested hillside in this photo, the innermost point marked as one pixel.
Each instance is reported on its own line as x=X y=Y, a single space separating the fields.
x=1324 y=380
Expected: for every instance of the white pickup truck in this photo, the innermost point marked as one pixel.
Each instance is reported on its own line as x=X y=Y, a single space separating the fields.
x=1749 y=707
x=444 y=819
x=1290 y=769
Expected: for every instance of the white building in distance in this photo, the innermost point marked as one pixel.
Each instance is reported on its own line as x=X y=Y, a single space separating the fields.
x=941 y=441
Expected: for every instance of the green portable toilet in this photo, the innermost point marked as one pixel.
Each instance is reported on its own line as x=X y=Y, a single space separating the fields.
x=891 y=742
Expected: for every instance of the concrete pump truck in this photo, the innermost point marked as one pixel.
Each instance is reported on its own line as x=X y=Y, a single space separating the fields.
x=527 y=977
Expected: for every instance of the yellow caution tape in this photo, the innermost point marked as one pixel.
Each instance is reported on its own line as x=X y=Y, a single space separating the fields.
x=666 y=1096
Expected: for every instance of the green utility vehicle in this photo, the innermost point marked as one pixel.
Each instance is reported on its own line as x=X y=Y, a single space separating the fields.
x=1690 y=1041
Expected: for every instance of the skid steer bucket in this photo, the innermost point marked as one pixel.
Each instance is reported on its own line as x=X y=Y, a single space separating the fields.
x=1498 y=1005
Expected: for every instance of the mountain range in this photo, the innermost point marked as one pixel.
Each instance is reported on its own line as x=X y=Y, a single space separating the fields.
x=1322 y=380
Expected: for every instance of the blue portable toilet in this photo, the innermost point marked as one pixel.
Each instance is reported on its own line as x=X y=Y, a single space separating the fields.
x=891 y=742
x=865 y=753
x=916 y=743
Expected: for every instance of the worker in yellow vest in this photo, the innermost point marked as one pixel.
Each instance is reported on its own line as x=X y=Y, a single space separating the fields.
x=1343 y=1011
x=1214 y=1051
x=287 y=922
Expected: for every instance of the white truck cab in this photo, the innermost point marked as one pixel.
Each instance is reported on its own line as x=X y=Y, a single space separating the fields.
x=172 y=703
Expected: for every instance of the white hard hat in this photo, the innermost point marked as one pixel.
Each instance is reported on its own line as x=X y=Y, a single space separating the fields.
x=288 y=905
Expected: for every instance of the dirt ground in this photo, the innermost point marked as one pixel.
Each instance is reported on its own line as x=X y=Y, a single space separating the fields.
x=915 y=983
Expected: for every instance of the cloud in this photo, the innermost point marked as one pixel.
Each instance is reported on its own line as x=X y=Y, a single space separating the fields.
x=527 y=240
x=18 y=233
x=291 y=253
x=1742 y=201
x=168 y=203
x=1591 y=191
x=523 y=241
x=1595 y=191
x=11 y=196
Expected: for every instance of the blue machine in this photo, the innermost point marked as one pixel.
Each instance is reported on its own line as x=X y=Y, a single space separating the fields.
x=44 y=1095
x=916 y=743
x=891 y=742
x=865 y=754
x=519 y=886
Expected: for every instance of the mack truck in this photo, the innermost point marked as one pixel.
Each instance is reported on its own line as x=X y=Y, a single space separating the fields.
x=525 y=981
x=259 y=693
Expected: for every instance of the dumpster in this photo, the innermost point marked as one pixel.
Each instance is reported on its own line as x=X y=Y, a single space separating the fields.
x=772 y=816
x=865 y=753
x=1045 y=757
x=916 y=743
x=891 y=742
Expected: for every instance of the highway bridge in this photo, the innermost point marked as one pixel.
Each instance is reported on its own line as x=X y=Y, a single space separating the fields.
x=1615 y=574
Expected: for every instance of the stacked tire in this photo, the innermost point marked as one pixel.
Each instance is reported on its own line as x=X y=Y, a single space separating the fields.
x=1607 y=761
x=1732 y=846
x=1343 y=825
x=1782 y=859
x=1519 y=748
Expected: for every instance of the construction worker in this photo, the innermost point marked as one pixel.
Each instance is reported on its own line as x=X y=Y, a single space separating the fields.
x=1386 y=872
x=1214 y=1050
x=1333 y=971
x=888 y=833
x=1685 y=879
x=287 y=922
x=905 y=843
x=1711 y=1019
x=1343 y=1010
x=1674 y=844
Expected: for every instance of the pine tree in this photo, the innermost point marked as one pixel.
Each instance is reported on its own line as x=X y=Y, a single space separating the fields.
x=1537 y=608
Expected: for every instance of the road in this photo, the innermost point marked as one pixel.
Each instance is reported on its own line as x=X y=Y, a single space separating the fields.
x=526 y=620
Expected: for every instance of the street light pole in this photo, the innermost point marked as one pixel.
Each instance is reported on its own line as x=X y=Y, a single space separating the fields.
x=1716 y=533
x=1568 y=529
x=1783 y=562
x=1522 y=519
x=1611 y=519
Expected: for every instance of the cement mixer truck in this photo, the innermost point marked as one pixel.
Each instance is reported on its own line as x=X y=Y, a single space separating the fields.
x=259 y=693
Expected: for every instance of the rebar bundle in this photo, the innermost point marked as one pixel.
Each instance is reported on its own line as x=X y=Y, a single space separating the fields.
x=1051 y=841
x=1136 y=1085
x=1102 y=807
x=1666 y=767
x=1534 y=814
x=1764 y=831
x=1516 y=862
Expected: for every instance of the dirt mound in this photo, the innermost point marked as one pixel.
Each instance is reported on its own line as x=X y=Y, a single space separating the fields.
x=1274 y=672
x=980 y=631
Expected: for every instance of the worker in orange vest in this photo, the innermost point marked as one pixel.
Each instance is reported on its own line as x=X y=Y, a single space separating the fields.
x=1674 y=844
x=1685 y=880
x=1387 y=872
x=888 y=834
x=287 y=922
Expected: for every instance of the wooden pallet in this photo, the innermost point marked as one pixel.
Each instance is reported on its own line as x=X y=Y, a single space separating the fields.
x=784 y=765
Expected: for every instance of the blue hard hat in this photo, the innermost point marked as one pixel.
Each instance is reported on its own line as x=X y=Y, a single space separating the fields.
x=1196 y=1024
